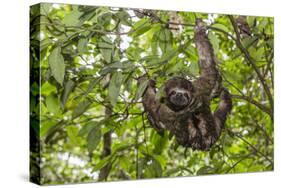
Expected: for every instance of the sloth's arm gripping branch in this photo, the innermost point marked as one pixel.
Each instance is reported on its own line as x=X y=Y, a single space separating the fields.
x=209 y=83
x=151 y=104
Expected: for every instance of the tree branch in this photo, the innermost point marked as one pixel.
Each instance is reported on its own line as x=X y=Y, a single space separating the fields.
x=251 y=61
x=256 y=103
x=104 y=172
x=239 y=161
x=249 y=144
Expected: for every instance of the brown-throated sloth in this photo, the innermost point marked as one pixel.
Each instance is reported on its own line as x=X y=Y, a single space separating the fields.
x=185 y=108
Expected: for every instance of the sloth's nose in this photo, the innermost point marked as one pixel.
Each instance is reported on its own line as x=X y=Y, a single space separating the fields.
x=178 y=95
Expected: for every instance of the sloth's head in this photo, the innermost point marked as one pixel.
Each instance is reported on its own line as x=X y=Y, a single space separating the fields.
x=178 y=93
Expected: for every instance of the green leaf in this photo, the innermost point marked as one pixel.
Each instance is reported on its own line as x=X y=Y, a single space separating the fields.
x=194 y=68
x=81 y=108
x=105 y=19
x=47 y=89
x=124 y=162
x=154 y=43
x=121 y=146
x=220 y=26
x=127 y=66
x=44 y=44
x=141 y=165
x=106 y=70
x=92 y=84
x=214 y=41
x=94 y=138
x=249 y=41
x=34 y=89
x=72 y=134
x=251 y=20
x=114 y=87
x=140 y=27
x=88 y=127
x=90 y=14
x=68 y=87
x=153 y=169
x=32 y=104
x=106 y=48
x=53 y=130
x=117 y=65
x=168 y=55
x=72 y=19
x=45 y=8
x=103 y=162
x=141 y=89
x=45 y=126
x=161 y=159
x=256 y=53
x=262 y=24
x=52 y=103
x=124 y=17
x=162 y=38
x=259 y=54
x=191 y=54
x=213 y=151
x=82 y=45
x=165 y=40
x=57 y=66
x=159 y=142
x=205 y=170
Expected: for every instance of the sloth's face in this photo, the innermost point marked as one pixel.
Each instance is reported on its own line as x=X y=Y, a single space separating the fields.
x=179 y=93
x=179 y=97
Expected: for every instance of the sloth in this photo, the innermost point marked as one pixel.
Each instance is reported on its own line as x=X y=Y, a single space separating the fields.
x=179 y=93
x=184 y=110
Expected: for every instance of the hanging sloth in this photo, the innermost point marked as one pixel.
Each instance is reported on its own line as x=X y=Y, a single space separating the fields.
x=185 y=108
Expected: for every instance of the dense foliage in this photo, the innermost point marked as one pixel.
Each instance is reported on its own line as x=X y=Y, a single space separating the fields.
x=87 y=120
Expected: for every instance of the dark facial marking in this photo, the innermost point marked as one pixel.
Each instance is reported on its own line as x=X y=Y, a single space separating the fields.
x=178 y=91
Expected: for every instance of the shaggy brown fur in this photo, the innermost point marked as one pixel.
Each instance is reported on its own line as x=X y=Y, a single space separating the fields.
x=185 y=109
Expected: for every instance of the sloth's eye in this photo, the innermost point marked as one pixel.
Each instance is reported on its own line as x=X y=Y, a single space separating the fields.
x=173 y=93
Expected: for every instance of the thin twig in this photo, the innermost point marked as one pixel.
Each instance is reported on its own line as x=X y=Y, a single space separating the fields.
x=239 y=161
x=256 y=103
x=251 y=145
x=251 y=61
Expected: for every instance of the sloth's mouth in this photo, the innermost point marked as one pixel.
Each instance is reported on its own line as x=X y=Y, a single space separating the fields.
x=180 y=101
